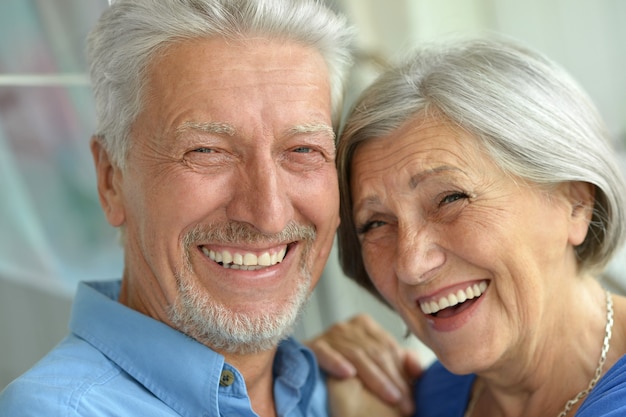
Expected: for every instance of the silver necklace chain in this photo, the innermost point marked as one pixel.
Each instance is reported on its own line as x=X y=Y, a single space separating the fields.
x=597 y=374
x=605 y=350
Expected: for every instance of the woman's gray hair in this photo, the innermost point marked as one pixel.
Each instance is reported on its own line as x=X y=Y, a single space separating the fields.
x=132 y=32
x=528 y=113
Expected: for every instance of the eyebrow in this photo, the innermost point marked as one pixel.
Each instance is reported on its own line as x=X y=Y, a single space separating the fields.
x=206 y=127
x=312 y=128
x=229 y=130
x=415 y=180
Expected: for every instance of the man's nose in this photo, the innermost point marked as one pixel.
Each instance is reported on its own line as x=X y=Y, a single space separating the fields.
x=261 y=197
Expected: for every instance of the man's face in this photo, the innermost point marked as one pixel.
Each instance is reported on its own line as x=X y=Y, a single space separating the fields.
x=229 y=198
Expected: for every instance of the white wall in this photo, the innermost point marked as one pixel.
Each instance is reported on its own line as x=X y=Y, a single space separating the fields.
x=32 y=321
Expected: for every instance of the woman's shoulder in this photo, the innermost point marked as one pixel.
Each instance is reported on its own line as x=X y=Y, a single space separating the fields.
x=440 y=393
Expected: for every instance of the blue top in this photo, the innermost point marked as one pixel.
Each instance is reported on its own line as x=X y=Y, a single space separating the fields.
x=440 y=393
x=608 y=398
x=119 y=362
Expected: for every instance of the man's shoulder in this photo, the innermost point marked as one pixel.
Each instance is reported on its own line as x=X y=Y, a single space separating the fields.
x=61 y=382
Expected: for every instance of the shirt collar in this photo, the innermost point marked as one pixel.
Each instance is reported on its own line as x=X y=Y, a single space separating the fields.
x=166 y=362
x=162 y=359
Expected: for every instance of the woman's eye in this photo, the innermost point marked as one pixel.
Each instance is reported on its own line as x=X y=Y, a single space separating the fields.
x=452 y=197
x=366 y=227
x=204 y=150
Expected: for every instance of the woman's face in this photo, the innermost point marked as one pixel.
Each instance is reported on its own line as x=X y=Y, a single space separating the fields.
x=473 y=259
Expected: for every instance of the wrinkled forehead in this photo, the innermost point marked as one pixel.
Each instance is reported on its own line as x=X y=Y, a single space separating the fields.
x=427 y=138
x=260 y=85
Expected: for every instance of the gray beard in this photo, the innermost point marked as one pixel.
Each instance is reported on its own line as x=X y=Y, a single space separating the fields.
x=224 y=330
x=214 y=324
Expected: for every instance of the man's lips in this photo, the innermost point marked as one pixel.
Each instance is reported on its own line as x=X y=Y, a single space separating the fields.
x=246 y=260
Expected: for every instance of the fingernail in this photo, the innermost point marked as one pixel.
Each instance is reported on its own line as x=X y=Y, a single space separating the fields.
x=393 y=392
x=406 y=407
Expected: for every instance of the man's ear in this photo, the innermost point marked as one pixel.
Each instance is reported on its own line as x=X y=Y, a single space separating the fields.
x=581 y=197
x=109 y=179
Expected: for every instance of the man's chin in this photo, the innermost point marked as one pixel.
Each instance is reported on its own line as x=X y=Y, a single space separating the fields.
x=231 y=332
x=236 y=333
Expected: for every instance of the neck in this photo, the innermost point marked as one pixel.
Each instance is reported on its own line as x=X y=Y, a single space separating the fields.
x=255 y=368
x=547 y=370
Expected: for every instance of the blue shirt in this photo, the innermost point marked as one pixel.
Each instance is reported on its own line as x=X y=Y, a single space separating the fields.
x=440 y=393
x=608 y=398
x=119 y=362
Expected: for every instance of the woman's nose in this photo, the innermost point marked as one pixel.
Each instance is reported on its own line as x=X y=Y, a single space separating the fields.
x=418 y=256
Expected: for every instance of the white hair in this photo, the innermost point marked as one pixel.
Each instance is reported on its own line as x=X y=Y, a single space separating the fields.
x=528 y=113
x=131 y=32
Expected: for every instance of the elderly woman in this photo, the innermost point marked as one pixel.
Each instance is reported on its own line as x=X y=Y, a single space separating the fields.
x=481 y=200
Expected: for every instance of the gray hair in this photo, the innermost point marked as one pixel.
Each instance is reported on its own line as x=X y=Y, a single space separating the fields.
x=530 y=116
x=131 y=33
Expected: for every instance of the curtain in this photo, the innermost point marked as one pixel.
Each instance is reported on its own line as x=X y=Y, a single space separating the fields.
x=53 y=231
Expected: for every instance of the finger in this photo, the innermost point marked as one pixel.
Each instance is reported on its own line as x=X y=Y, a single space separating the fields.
x=376 y=378
x=406 y=406
x=392 y=358
x=331 y=361
x=347 y=398
x=402 y=379
x=378 y=358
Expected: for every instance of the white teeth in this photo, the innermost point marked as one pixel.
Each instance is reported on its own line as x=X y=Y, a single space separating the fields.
x=474 y=291
x=433 y=306
x=470 y=293
x=227 y=258
x=264 y=259
x=246 y=261
x=249 y=259
x=453 y=300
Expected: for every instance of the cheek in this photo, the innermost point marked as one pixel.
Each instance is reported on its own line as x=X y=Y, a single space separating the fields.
x=174 y=200
x=379 y=267
x=317 y=199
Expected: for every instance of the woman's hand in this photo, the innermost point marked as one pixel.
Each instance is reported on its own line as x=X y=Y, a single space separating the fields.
x=366 y=361
x=349 y=398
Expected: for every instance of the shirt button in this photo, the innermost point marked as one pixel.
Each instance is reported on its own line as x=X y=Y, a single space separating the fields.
x=227 y=378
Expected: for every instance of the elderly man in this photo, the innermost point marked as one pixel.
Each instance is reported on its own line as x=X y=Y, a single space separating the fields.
x=215 y=158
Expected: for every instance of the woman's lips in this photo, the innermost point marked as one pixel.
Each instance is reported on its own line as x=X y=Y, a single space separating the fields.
x=447 y=304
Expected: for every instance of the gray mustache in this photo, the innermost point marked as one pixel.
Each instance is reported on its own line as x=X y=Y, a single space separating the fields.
x=236 y=232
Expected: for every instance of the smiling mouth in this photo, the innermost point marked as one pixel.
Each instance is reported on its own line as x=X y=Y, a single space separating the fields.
x=455 y=302
x=246 y=261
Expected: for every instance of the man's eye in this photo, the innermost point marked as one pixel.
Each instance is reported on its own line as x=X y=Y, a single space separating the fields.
x=452 y=197
x=303 y=149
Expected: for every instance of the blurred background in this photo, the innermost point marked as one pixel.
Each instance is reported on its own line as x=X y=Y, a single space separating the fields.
x=52 y=231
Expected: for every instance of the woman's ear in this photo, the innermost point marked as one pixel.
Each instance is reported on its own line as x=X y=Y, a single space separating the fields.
x=581 y=197
x=109 y=179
